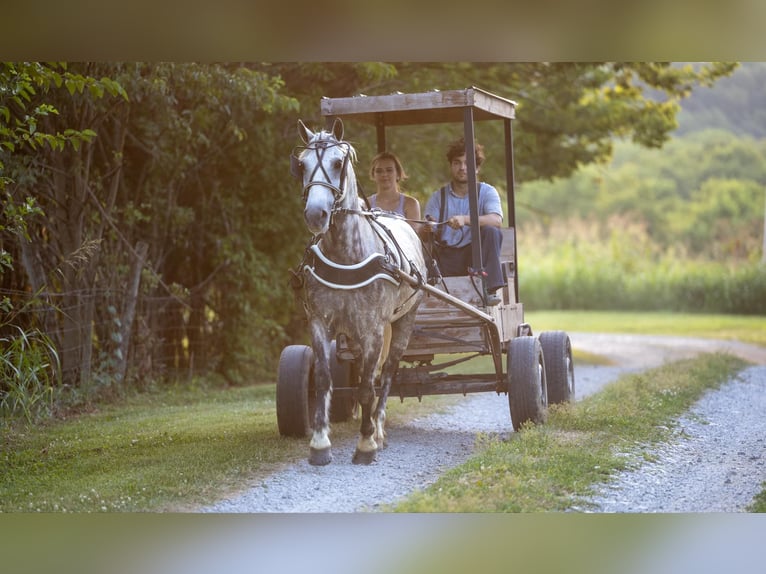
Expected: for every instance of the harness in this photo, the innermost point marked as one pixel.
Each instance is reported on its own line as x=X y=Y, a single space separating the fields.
x=386 y=266
x=319 y=148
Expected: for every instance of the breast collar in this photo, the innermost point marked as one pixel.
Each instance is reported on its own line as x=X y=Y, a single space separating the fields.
x=385 y=266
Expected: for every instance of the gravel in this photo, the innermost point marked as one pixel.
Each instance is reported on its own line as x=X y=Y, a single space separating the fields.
x=715 y=463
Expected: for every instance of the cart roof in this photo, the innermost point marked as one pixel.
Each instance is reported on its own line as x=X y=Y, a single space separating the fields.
x=424 y=108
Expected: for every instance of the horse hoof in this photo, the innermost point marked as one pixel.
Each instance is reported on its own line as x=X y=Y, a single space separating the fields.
x=365 y=456
x=320 y=457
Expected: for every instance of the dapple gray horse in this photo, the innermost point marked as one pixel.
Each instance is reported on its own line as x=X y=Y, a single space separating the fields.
x=352 y=285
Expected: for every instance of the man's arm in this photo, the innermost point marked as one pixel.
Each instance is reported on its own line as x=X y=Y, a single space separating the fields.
x=491 y=219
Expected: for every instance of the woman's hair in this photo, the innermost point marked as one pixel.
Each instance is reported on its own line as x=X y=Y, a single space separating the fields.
x=457 y=148
x=400 y=175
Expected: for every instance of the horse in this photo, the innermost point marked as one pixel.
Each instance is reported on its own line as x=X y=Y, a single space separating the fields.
x=352 y=285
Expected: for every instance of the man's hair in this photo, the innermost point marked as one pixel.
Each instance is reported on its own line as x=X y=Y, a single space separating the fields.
x=457 y=148
x=388 y=155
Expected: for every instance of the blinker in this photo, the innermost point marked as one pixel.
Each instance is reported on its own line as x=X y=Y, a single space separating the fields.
x=296 y=168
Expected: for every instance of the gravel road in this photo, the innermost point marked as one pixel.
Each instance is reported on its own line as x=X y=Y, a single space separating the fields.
x=716 y=462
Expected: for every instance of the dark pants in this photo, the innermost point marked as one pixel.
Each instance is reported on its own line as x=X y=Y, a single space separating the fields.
x=455 y=261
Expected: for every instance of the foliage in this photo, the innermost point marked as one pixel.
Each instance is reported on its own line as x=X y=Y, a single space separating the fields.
x=206 y=191
x=568 y=113
x=702 y=197
x=736 y=104
x=173 y=166
x=617 y=266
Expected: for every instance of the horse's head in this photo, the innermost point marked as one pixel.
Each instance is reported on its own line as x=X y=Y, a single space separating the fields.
x=329 y=183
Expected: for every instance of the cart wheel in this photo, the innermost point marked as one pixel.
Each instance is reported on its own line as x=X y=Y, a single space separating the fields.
x=295 y=390
x=559 y=367
x=527 y=393
x=342 y=405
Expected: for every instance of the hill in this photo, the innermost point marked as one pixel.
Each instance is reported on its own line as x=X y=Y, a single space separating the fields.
x=736 y=104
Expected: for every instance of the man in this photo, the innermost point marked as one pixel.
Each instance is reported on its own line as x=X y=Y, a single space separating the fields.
x=453 y=253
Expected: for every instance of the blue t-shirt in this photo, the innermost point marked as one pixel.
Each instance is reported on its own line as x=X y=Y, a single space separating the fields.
x=489 y=202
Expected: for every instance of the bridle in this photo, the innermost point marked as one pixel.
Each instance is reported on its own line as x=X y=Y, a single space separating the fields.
x=320 y=148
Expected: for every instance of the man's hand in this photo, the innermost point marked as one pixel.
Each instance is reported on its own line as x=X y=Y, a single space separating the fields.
x=458 y=221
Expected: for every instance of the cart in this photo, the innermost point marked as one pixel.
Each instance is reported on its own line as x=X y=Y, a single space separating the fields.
x=453 y=324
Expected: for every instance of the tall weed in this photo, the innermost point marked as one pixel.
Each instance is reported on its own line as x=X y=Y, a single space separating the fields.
x=616 y=266
x=29 y=374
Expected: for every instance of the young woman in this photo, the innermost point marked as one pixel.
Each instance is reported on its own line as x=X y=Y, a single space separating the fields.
x=387 y=173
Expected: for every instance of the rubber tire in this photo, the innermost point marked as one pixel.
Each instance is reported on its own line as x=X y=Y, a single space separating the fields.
x=559 y=367
x=527 y=390
x=341 y=408
x=295 y=391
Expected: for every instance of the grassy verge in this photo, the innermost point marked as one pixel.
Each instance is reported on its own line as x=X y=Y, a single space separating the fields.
x=553 y=467
x=745 y=328
x=759 y=504
x=166 y=450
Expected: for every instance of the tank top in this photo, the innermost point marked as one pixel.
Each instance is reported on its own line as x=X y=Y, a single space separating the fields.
x=399 y=208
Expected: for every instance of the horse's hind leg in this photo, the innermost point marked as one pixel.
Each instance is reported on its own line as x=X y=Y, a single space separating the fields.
x=320 y=448
x=400 y=338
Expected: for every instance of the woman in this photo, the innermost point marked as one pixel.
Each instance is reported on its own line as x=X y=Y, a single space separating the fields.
x=387 y=171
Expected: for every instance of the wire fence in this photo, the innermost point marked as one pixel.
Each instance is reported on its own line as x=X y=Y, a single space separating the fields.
x=87 y=329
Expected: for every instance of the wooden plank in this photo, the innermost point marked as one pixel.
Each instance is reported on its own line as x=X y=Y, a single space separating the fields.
x=420 y=108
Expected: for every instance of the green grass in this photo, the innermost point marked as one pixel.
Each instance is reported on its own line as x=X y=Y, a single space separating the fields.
x=745 y=328
x=759 y=504
x=167 y=450
x=173 y=447
x=553 y=467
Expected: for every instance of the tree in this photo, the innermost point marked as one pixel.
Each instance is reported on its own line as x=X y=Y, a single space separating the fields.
x=176 y=165
x=569 y=113
x=29 y=360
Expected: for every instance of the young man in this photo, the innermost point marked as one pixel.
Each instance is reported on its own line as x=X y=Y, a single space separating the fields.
x=454 y=252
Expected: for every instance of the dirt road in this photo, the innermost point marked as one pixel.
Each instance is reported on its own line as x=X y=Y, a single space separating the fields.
x=420 y=451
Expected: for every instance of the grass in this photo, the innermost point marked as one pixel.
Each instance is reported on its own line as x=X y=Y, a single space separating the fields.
x=759 y=504
x=177 y=447
x=173 y=447
x=745 y=328
x=553 y=467
x=161 y=451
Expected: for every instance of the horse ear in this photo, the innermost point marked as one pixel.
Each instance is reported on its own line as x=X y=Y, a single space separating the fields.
x=304 y=133
x=337 y=129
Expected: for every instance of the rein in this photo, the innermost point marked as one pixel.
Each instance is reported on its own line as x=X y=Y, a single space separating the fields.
x=387 y=266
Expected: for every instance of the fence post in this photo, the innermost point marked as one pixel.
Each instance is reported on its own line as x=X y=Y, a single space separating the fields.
x=129 y=311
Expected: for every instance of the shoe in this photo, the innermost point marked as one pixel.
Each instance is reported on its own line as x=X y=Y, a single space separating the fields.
x=493 y=300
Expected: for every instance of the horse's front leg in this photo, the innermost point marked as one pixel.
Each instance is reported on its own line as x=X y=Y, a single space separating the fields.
x=320 y=448
x=366 y=447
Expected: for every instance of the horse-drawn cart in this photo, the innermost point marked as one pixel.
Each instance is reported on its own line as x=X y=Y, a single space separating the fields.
x=452 y=324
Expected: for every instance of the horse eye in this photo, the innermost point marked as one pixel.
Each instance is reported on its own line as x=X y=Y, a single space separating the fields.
x=337 y=164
